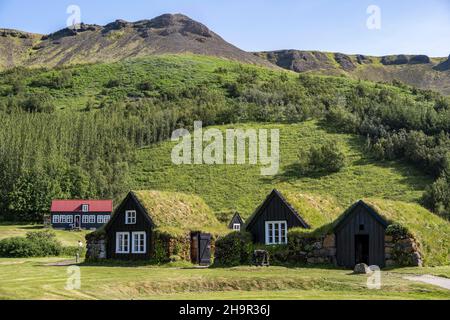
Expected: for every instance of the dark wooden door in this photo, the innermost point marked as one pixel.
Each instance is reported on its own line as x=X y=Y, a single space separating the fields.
x=204 y=246
x=362 y=249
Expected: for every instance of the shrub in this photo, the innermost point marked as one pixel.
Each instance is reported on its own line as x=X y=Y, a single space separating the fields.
x=324 y=158
x=437 y=197
x=233 y=250
x=35 y=244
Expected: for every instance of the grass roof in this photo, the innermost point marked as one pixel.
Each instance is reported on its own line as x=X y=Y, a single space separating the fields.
x=173 y=211
x=432 y=232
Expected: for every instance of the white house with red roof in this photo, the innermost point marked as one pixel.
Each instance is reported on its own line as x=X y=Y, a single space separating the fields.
x=80 y=214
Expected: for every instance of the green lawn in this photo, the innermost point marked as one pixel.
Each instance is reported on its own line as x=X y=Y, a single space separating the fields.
x=36 y=279
x=241 y=187
x=67 y=238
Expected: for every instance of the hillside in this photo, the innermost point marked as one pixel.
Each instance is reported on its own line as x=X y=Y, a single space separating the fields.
x=226 y=188
x=117 y=41
x=73 y=132
x=415 y=70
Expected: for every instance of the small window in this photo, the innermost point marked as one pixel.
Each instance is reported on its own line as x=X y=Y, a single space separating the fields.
x=100 y=219
x=276 y=232
x=237 y=227
x=85 y=219
x=106 y=219
x=361 y=227
x=85 y=208
x=62 y=219
x=92 y=219
x=56 y=218
x=130 y=217
x=69 y=219
x=122 y=242
x=139 y=242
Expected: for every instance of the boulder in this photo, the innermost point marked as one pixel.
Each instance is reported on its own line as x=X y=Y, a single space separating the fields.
x=416 y=259
x=362 y=268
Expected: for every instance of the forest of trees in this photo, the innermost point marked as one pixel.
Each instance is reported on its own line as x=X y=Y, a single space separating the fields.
x=46 y=154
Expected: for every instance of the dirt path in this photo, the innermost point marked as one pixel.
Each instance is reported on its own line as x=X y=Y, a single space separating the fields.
x=437 y=281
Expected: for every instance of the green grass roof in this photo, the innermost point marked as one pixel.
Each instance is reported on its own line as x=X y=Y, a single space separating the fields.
x=173 y=211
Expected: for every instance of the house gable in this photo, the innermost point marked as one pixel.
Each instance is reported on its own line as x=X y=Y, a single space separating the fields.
x=274 y=208
x=360 y=237
x=118 y=225
x=236 y=220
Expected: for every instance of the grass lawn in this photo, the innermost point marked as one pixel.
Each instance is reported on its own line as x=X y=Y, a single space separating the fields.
x=67 y=238
x=36 y=279
x=241 y=187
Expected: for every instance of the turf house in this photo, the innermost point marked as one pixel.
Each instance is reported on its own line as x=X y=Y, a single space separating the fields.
x=160 y=226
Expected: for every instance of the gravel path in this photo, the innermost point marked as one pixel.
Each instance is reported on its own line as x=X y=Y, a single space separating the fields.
x=437 y=281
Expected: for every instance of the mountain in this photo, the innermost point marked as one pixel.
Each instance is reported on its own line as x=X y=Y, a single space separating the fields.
x=417 y=70
x=117 y=41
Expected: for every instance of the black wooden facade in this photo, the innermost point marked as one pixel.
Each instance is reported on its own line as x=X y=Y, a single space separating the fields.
x=236 y=220
x=274 y=208
x=360 y=237
x=118 y=226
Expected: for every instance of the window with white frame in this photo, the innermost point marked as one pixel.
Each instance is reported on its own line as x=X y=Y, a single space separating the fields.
x=69 y=219
x=122 y=242
x=276 y=232
x=237 y=227
x=55 y=218
x=100 y=219
x=106 y=219
x=130 y=217
x=63 y=219
x=139 y=242
x=85 y=219
x=92 y=219
x=85 y=208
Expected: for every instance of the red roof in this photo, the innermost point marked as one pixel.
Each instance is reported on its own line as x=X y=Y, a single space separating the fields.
x=102 y=206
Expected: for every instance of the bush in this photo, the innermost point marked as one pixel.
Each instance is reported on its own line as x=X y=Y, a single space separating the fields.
x=35 y=244
x=234 y=249
x=437 y=197
x=324 y=158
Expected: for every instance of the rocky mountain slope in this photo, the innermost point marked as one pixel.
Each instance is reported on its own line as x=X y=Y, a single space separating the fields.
x=116 y=41
x=417 y=70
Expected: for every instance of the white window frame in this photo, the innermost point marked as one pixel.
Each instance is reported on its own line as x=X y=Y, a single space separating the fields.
x=106 y=218
x=63 y=218
x=85 y=219
x=140 y=234
x=56 y=219
x=100 y=219
x=92 y=219
x=272 y=236
x=69 y=218
x=85 y=208
x=130 y=217
x=118 y=244
x=237 y=227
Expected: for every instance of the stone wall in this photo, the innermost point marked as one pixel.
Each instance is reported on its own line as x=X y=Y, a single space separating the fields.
x=323 y=251
x=95 y=248
x=402 y=250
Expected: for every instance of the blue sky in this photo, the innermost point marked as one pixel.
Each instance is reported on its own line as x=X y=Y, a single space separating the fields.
x=407 y=26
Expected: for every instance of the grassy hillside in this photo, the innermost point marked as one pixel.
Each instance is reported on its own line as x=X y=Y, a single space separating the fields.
x=242 y=188
x=65 y=237
x=155 y=77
